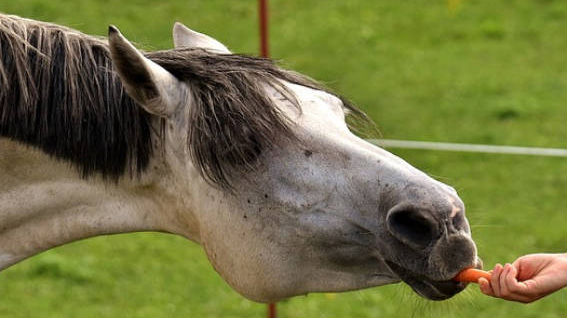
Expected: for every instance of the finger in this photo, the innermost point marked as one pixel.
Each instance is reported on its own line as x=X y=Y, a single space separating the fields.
x=521 y=272
x=495 y=280
x=485 y=287
x=528 y=288
x=502 y=279
x=512 y=282
x=520 y=298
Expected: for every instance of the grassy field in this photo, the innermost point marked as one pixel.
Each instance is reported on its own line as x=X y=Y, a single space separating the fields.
x=480 y=71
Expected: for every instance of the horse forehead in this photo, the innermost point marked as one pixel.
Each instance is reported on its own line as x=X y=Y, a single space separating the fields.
x=305 y=93
x=316 y=106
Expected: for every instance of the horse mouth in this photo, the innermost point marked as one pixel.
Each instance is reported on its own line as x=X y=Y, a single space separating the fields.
x=426 y=287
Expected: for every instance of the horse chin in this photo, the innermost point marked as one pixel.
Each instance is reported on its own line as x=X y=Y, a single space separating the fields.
x=426 y=287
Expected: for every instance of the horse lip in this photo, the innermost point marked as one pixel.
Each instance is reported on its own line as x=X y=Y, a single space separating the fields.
x=426 y=287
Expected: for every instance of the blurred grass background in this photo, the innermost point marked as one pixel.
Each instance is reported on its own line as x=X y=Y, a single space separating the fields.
x=483 y=71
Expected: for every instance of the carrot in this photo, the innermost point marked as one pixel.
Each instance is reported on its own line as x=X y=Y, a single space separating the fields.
x=471 y=275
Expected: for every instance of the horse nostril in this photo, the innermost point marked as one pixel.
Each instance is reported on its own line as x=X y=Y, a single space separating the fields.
x=412 y=226
x=458 y=221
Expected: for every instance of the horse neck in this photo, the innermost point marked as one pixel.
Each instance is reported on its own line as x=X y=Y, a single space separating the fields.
x=44 y=204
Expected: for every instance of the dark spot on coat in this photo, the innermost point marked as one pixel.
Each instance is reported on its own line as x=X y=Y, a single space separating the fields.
x=307 y=153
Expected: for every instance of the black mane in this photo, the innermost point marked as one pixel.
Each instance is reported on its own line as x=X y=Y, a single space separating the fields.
x=60 y=93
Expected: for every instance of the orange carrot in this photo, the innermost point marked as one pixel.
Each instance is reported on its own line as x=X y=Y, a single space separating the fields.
x=471 y=275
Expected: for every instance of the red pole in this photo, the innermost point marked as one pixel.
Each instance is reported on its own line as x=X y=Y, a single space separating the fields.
x=263 y=12
x=272 y=310
x=264 y=52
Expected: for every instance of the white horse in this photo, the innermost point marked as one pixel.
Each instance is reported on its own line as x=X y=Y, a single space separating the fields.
x=255 y=163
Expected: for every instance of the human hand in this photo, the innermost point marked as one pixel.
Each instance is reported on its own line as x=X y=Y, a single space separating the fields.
x=529 y=278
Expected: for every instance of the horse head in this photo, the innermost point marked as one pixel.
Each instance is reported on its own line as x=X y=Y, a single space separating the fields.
x=283 y=197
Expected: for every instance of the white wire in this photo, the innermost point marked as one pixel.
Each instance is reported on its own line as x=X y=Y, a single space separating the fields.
x=447 y=146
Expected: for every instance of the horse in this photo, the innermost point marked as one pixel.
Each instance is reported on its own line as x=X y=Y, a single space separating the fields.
x=259 y=165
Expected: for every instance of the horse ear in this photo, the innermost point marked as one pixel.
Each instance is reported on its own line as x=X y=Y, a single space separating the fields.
x=157 y=90
x=185 y=37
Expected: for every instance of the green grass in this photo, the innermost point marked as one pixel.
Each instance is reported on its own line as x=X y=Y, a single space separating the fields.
x=488 y=72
